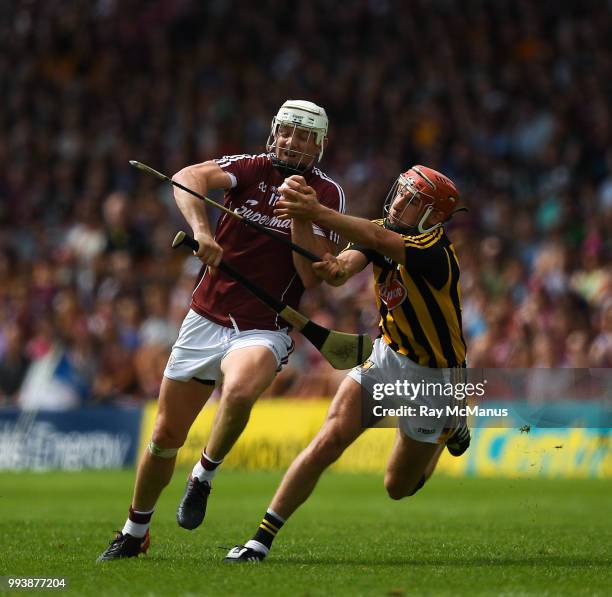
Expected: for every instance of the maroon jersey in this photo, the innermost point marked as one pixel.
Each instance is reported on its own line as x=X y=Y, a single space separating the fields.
x=261 y=259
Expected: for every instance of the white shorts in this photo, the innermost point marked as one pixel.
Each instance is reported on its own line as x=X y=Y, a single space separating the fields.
x=385 y=366
x=203 y=344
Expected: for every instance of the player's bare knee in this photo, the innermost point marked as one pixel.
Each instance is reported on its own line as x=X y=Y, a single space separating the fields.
x=398 y=489
x=394 y=489
x=167 y=438
x=239 y=397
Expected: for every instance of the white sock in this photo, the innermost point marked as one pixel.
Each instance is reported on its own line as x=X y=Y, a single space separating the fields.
x=203 y=474
x=257 y=546
x=135 y=529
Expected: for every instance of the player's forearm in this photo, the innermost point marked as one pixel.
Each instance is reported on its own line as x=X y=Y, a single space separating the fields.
x=191 y=207
x=338 y=271
x=355 y=230
x=302 y=234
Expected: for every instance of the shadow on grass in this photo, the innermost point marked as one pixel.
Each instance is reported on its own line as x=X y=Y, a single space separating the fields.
x=549 y=561
x=537 y=561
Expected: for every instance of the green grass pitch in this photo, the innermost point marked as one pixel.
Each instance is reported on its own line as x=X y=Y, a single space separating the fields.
x=456 y=537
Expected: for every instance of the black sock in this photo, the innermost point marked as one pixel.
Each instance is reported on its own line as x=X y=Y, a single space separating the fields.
x=269 y=526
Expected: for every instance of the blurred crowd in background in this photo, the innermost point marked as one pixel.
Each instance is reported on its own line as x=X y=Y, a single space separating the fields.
x=509 y=98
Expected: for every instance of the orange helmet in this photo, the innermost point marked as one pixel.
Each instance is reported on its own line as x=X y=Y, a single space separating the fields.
x=436 y=192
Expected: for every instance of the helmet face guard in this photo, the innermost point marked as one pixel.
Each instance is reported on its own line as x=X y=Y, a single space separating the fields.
x=297 y=119
x=433 y=191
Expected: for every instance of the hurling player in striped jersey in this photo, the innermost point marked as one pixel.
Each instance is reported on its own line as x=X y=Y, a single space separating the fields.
x=416 y=276
x=228 y=336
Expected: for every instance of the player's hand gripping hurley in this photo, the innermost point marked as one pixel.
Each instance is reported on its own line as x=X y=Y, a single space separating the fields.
x=300 y=250
x=341 y=350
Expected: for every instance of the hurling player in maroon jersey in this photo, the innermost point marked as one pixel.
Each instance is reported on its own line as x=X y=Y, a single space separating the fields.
x=228 y=336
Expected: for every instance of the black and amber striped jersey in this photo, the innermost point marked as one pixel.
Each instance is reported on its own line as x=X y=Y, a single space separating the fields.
x=420 y=302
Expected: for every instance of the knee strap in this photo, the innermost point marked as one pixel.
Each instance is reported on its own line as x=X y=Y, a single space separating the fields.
x=162 y=452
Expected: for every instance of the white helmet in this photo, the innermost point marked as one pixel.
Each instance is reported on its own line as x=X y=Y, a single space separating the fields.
x=300 y=114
